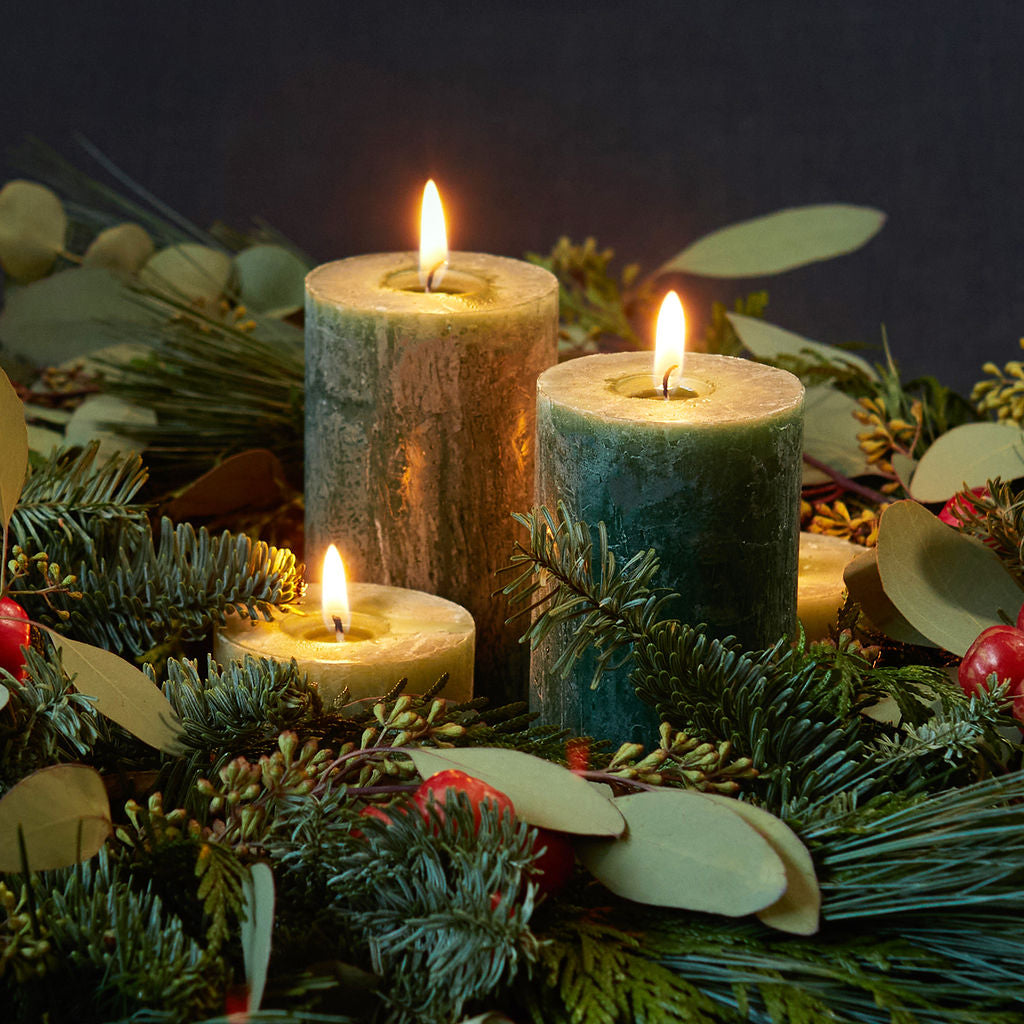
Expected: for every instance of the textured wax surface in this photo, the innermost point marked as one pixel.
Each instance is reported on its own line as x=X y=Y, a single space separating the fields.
x=420 y=415
x=711 y=483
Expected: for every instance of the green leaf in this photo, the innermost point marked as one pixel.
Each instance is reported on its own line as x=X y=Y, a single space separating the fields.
x=257 y=929
x=63 y=812
x=682 y=850
x=865 y=587
x=779 y=241
x=768 y=342
x=798 y=909
x=122 y=249
x=97 y=419
x=544 y=794
x=830 y=433
x=904 y=467
x=32 y=229
x=67 y=315
x=122 y=692
x=271 y=280
x=15 y=449
x=5 y=696
x=193 y=272
x=947 y=585
x=970 y=454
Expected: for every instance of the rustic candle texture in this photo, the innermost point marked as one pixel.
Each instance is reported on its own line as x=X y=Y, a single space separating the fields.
x=420 y=428
x=711 y=482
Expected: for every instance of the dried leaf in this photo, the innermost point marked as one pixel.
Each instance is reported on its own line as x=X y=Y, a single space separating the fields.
x=798 y=909
x=257 y=930
x=681 y=850
x=32 y=229
x=271 y=280
x=123 y=693
x=865 y=587
x=64 y=815
x=544 y=794
x=250 y=480
x=971 y=454
x=779 y=241
x=123 y=249
x=14 y=438
x=947 y=585
x=768 y=342
x=194 y=272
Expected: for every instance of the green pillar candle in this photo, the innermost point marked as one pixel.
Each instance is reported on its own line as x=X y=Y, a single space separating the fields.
x=420 y=415
x=709 y=478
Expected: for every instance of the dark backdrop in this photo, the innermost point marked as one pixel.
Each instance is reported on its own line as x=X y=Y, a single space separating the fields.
x=644 y=124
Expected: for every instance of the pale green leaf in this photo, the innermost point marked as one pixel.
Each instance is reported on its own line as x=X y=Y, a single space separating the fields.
x=67 y=315
x=947 y=585
x=257 y=929
x=14 y=439
x=904 y=467
x=98 y=418
x=543 y=793
x=798 y=909
x=971 y=454
x=122 y=249
x=779 y=241
x=32 y=229
x=271 y=280
x=5 y=696
x=190 y=271
x=63 y=812
x=768 y=343
x=865 y=587
x=681 y=850
x=830 y=433
x=122 y=692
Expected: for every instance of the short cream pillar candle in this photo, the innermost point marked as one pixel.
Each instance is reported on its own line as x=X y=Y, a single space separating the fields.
x=820 y=586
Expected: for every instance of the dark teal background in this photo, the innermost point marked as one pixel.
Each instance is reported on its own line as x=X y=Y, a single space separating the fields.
x=646 y=124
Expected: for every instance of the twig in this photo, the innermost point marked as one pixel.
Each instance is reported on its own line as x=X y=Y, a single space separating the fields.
x=845 y=482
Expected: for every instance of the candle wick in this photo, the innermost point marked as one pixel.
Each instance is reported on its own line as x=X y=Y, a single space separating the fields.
x=339 y=629
x=428 y=284
x=664 y=382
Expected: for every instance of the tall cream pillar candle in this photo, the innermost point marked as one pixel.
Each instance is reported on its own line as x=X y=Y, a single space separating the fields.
x=420 y=428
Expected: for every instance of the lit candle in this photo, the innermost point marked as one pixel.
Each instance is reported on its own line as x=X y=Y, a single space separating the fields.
x=820 y=588
x=696 y=456
x=364 y=637
x=420 y=378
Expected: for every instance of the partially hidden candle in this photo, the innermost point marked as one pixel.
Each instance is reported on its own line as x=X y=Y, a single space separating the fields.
x=702 y=464
x=820 y=586
x=420 y=413
x=366 y=644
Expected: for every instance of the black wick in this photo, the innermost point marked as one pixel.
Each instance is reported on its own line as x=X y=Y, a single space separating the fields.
x=664 y=383
x=339 y=629
x=432 y=273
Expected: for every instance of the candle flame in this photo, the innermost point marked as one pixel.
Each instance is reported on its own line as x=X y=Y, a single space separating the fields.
x=669 y=344
x=334 y=594
x=433 y=239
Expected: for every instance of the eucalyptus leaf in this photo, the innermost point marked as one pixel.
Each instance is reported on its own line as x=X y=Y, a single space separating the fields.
x=14 y=463
x=681 y=850
x=122 y=249
x=779 y=241
x=98 y=418
x=830 y=433
x=64 y=815
x=5 y=696
x=257 y=929
x=947 y=585
x=970 y=454
x=32 y=229
x=271 y=280
x=904 y=467
x=191 y=271
x=543 y=793
x=768 y=343
x=798 y=909
x=122 y=692
x=42 y=441
x=865 y=587
x=69 y=314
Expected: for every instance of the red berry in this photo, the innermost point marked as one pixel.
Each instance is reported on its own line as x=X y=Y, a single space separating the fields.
x=998 y=649
x=955 y=510
x=14 y=634
x=434 y=789
x=556 y=863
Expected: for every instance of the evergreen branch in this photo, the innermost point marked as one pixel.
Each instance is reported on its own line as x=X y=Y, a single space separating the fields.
x=221 y=876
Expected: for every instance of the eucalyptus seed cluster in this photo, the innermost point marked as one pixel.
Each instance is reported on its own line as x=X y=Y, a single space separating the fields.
x=682 y=760
x=152 y=828
x=25 y=950
x=1003 y=394
x=42 y=576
